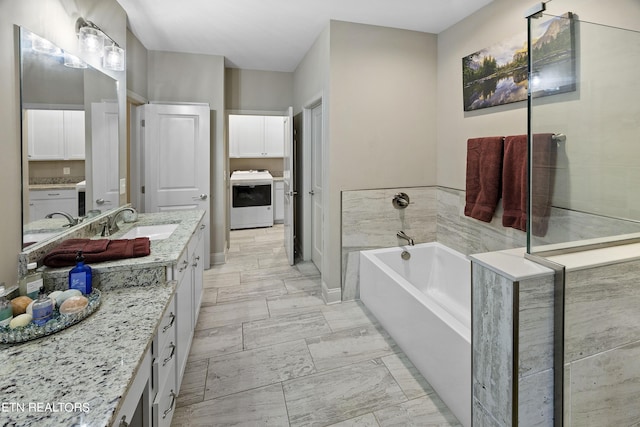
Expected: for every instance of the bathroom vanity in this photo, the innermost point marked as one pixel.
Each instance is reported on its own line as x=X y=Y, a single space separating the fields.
x=122 y=365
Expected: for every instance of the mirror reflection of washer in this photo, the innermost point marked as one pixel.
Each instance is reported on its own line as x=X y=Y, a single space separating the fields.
x=251 y=199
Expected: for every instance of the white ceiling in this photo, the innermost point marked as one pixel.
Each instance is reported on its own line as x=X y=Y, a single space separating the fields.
x=275 y=34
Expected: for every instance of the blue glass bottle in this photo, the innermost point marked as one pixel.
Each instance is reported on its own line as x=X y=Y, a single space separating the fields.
x=42 y=308
x=80 y=276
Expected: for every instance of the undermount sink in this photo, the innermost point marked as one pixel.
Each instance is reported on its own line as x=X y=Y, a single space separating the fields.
x=153 y=232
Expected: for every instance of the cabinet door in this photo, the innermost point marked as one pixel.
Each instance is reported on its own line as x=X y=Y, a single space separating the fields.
x=196 y=249
x=274 y=136
x=184 y=315
x=43 y=202
x=278 y=202
x=246 y=136
x=45 y=134
x=74 y=136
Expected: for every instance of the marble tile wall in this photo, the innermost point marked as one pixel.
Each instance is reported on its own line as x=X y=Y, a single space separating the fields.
x=369 y=221
x=495 y=351
x=602 y=345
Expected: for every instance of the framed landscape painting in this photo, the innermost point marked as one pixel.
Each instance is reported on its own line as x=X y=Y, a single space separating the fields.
x=497 y=74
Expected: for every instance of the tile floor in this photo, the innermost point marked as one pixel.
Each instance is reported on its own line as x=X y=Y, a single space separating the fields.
x=268 y=352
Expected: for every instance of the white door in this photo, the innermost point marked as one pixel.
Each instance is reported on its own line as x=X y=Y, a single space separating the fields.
x=289 y=194
x=177 y=161
x=105 y=177
x=316 y=186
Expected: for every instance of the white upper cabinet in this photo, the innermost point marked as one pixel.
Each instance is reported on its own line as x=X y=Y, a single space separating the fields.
x=274 y=136
x=74 y=137
x=55 y=135
x=256 y=136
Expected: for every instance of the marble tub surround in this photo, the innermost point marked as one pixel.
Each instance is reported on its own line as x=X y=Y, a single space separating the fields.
x=53 y=371
x=147 y=270
x=512 y=340
x=369 y=221
x=602 y=345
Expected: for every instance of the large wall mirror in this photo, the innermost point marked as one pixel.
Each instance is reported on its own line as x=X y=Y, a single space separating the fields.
x=69 y=140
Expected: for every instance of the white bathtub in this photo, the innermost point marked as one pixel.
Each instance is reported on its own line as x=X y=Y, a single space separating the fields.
x=425 y=305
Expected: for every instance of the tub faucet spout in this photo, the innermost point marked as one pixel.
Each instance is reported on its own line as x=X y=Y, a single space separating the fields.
x=402 y=235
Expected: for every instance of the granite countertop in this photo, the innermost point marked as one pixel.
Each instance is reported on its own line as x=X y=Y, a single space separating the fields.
x=88 y=366
x=79 y=376
x=164 y=252
x=56 y=186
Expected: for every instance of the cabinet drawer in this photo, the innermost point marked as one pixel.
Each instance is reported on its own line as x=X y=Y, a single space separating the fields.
x=167 y=328
x=166 y=400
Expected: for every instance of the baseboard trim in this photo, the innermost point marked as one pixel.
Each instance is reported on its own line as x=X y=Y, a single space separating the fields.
x=331 y=296
x=218 y=258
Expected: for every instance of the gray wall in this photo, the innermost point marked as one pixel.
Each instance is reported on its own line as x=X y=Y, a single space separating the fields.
x=183 y=77
x=499 y=20
x=258 y=90
x=54 y=20
x=137 y=56
x=383 y=118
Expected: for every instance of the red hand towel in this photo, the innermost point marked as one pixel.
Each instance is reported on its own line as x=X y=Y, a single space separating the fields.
x=514 y=182
x=96 y=251
x=484 y=170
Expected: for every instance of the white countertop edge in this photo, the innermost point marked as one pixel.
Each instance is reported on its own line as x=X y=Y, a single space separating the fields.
x=598 y=257
x=512 y=264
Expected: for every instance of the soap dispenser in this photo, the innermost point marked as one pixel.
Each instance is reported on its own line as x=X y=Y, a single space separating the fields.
x=80 y=276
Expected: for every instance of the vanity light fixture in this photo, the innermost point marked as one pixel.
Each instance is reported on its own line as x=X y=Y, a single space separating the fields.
x=73 y=61
x=41 y=45
x=93 y=41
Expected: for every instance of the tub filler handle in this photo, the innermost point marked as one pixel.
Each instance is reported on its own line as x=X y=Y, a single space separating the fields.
x=400 y=201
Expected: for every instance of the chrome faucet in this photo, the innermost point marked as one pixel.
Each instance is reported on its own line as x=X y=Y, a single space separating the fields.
x=72 y=221
x=401 y=234
x=110 y=224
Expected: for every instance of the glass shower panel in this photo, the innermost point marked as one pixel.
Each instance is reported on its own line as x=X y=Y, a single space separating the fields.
x=585 y=126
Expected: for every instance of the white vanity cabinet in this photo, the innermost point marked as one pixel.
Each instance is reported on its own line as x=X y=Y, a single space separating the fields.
x=174 y=349
x=163 y=389
x=278 y=201
x=44 y=202
x=55 y=135
x=256 y=136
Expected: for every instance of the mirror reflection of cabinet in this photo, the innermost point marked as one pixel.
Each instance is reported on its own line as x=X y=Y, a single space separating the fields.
x=43 y=202
x=55 y=135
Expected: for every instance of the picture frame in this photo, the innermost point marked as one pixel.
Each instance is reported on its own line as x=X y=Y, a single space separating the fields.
x=498 y=74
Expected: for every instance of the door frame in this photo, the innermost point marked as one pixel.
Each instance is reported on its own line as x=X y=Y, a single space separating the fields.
x=307 y=204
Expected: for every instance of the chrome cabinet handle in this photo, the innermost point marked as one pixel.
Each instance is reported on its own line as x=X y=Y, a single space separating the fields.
x=195 y=264
x=100 y=201
x=123 y=422
x=185 y=264
x=173 y=351
x=167 y=327
x=173 y=401
x=311 y=193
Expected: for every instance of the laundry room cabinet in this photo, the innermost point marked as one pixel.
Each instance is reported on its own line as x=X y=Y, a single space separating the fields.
x=256 y=136
x=278 y=201
x=55 y=135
